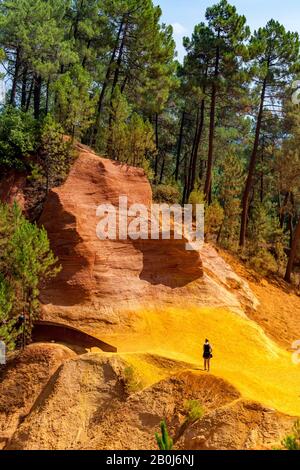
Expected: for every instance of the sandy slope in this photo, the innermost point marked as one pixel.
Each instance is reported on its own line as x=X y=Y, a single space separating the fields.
x=243 y=354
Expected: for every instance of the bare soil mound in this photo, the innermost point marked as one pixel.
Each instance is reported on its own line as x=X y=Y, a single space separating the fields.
x=23 y=379
x=88 y=405
x=241 y=425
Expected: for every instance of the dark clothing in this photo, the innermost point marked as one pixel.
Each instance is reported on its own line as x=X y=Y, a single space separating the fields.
x=207 y=351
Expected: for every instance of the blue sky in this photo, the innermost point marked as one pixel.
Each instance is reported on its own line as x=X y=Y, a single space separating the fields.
x=184 y=14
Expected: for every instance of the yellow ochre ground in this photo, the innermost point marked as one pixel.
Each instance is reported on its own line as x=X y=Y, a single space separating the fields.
x=166 y=341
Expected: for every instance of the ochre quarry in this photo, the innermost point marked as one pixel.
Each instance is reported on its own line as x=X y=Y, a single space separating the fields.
x=156 y=303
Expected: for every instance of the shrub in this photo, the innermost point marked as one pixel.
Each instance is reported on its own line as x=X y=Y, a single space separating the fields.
x=197 y=197
x=214 y=217
x=194 y=410
x=8 y=333
x=164 y=441
x=263 y=262
x=266 y=241
x=55 y=152
x=292 y=442
x=214 y=213
x=18 y=138
x=132 y=383
x=166 y=193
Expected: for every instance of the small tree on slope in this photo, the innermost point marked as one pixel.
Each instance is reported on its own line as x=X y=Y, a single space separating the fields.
x=164 y=441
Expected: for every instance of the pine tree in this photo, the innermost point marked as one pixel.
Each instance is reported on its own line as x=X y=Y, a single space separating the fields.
x=229 y=32
x=274 y=52
x=8 y=332
x=75 y=107
x=230 y=182
x=26 y=263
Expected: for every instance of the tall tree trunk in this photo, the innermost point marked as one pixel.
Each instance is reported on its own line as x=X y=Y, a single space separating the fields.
x=29 y=95
x=196 y=146
x=116 y=80
x=24 y=88
x=162 y=169
x=119 y=59
x=16 y=77
x=188 y=189
x=282 y=214
x=47 y=96
x=293 y=252
x=37 y=95
x=157 y=149
x=180 y=138
x=185 y=181
x=212 y=123
x=252 y=165
x=106 y=82
x=77 y=19
x=262 y=179
x=201 y=169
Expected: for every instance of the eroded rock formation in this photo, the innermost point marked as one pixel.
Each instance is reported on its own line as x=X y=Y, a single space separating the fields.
x=101 y=280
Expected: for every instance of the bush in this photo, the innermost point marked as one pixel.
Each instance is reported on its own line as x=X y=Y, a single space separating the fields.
x=132 y=383
x=8 y=333
x=263 y=262
x=18 y=138
x=266 y=241
x=56 y=153
x=165 y=193
x=194 y=410
x=214 y=217
x=292 y=442
x=197 y=197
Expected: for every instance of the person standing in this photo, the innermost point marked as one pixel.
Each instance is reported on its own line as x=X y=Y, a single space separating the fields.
x=207 y=354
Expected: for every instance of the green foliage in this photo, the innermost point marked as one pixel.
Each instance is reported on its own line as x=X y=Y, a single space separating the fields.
x=292 y=442
x=230 y=192
x=74 y=106
x=214 y=213
x=164 y=441
x=18 y=138
x=132 y=382
x=26 y=262
x=56 y=153
x=166 y=193
x=8 y=332
x=130 y=138
x=266 y=240
x=214 y=217
x=262 y=261
x=196 y=197
x=194 y=410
